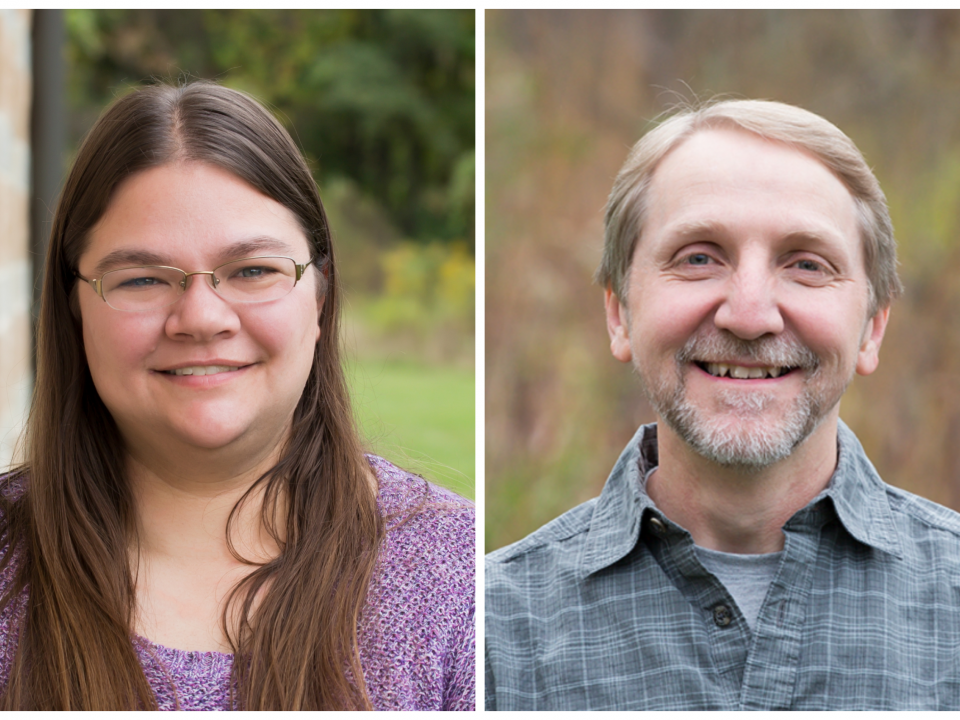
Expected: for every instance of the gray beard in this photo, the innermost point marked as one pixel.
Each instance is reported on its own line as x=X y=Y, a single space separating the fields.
x=732 y=441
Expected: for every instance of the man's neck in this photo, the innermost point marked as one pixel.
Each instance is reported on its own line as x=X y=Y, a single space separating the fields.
x=733 y=510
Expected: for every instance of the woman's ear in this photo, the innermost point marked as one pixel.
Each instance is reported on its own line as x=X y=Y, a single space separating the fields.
x=323 y=284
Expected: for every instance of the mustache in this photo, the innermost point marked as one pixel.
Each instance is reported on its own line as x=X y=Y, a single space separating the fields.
x=721 y=346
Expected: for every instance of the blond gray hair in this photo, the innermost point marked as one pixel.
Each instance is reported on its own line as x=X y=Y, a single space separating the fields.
x=627 y=204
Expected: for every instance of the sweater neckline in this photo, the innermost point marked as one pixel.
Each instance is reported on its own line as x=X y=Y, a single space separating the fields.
x=185 y=655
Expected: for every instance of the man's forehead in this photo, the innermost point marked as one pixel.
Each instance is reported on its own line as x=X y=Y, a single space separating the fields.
x=707 y=142
x=724 y=163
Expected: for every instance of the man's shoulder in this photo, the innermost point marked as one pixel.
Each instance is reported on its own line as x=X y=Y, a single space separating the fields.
x=891 y=518
x=558 y=540
x=918 y=513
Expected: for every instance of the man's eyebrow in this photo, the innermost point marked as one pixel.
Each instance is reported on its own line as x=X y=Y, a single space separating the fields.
x=707 y=229
x=698 y=229
x=811 y=237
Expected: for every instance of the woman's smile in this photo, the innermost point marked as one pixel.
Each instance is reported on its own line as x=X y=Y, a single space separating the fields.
x=204 y=376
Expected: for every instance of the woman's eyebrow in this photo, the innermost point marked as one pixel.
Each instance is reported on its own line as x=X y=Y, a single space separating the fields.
x=255 y=246
x=128 y=257
x=133 y=257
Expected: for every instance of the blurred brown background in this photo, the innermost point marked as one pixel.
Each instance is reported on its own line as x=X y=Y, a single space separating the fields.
x=568 y=92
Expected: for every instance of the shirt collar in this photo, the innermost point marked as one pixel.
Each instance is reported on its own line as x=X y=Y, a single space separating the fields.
x=617 y=516
x=858 y=495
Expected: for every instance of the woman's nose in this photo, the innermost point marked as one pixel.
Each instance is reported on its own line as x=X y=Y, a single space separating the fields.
x=200 y=312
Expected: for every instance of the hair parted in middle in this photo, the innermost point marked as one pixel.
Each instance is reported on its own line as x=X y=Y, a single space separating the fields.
x=774 y=121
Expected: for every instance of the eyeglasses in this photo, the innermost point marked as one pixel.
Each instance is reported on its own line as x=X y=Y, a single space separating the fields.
x=151 y=287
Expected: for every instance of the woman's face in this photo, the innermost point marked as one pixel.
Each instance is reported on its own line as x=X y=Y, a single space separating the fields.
x=194 y=217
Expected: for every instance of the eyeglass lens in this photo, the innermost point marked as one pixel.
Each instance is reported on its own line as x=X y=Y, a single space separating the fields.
x=248 y=280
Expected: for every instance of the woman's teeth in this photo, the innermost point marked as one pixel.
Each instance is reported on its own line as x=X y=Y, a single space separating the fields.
x=202 y=370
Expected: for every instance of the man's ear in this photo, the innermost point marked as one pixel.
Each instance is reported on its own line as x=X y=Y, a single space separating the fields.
x=869 y=356
x=617 y=326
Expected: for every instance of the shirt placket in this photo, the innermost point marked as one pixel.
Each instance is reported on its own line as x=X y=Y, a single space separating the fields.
x=724 y=629
x=770 y=672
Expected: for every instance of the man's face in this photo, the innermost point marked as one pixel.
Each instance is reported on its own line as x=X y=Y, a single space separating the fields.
x=747 y=309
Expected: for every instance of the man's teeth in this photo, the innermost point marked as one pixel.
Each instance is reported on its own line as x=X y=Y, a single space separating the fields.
x=202 y=370
x=742 y=373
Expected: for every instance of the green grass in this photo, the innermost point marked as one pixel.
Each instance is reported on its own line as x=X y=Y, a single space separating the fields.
x=418 y=416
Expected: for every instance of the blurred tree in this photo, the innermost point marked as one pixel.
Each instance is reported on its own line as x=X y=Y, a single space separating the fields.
x=384 y=98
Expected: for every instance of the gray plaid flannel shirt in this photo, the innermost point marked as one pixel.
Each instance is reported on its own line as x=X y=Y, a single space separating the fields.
x=607 y=607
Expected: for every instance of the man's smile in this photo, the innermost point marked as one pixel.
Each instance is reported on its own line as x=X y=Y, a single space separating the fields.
x=743 y=372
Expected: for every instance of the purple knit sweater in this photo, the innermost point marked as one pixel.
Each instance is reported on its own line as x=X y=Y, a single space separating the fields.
x=417 y=644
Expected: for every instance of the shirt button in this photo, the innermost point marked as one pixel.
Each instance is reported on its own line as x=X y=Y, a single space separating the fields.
x=659 y=529
x=722 y=615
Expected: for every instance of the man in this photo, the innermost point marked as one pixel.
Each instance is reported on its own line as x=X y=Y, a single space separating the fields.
x=744 y=553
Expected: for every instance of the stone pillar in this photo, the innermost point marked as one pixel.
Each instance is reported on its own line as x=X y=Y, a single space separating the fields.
x=15 y=268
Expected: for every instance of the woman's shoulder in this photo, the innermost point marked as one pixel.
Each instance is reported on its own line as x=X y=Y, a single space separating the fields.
x=429 y=530
x=13 y=493
x=419 y=644
x=403 y=494
x=428 y=527
x=13 y=485
x=13 y=488
x=430 y=543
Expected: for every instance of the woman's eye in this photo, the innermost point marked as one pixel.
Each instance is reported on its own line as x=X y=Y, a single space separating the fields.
x=139 y=282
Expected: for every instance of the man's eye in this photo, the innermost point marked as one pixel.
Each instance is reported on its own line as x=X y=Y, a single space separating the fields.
x=698 y=259
x=809 y=265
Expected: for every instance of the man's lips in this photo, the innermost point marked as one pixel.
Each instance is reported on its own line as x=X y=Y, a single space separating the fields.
x=724 y=356
x=744 y=372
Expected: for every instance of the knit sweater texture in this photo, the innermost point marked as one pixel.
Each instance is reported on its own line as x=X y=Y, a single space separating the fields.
x=416 y=637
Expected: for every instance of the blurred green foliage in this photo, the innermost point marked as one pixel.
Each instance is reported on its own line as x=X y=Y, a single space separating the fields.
x=427 y=301
x=438 y=277
x=384 y=98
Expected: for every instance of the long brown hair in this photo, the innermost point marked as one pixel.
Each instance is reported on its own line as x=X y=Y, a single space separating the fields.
x=71 y=528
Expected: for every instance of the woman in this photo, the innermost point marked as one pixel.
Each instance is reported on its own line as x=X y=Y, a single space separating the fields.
x=196 y=525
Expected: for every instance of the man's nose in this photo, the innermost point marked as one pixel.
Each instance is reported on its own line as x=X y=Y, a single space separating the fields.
x=750 y=307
